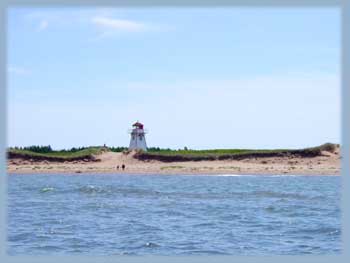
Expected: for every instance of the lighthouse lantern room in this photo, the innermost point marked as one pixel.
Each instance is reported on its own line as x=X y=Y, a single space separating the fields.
x=138 y=139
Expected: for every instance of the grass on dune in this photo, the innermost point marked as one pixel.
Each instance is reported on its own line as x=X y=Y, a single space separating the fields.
x=218 y=152
x=214 y=152
x=168 y=155
x=64 y=155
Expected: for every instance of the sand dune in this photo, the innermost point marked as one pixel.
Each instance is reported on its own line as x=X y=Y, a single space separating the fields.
x=326 y=164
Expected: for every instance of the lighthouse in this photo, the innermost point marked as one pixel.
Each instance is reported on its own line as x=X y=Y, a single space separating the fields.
x=138 y=139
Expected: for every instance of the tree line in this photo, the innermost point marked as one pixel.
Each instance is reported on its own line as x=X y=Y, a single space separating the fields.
x=48 y=149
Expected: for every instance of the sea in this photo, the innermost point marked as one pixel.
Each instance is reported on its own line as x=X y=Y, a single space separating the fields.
x=110 y=214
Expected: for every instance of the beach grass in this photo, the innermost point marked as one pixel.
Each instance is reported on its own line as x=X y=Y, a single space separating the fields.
x=218 y=152
x=168 y=155
x=87 y=153
x=213 y=152
x=171 y=167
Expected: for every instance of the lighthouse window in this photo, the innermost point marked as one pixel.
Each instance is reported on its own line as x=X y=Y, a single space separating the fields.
x=140 y=138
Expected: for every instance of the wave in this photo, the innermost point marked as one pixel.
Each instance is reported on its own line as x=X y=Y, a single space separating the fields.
x=319 y=230
x=46 y=189
x=273 y=194
x=142 y=192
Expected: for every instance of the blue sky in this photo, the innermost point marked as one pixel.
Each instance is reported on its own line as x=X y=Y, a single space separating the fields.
x=196 y=77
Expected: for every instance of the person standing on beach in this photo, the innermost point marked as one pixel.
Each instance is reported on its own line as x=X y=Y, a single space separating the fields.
x=123 y=166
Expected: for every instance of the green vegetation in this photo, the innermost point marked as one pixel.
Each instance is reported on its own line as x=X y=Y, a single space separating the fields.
x=118 y=149
x=171 y=167
x=229 y=167
x=156 y=153
x=217 y=152
x=48 y=149
x=214 y=152
x=168 y=155
x=157 y=149
x=42 y=153
x=36 y=148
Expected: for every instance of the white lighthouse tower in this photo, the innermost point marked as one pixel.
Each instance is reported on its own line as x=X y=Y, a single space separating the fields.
x=138 y=139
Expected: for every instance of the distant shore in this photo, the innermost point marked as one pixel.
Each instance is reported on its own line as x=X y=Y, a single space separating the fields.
x=327 y=163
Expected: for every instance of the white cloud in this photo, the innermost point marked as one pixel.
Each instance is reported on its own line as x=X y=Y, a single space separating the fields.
x=18 y=70
x=119 y=24
x=104 y=20
x=43 y=25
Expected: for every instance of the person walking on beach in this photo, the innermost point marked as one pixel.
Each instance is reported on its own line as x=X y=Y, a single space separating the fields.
x=123 y=166
x=117 y=167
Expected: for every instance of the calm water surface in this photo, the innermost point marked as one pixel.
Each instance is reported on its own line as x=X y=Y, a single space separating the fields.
x=173 y=215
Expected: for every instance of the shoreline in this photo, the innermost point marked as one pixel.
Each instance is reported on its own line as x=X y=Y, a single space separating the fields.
x=328 y=163
x=219 y=174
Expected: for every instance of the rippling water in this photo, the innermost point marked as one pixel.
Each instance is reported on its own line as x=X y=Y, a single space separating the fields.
x=173 y=215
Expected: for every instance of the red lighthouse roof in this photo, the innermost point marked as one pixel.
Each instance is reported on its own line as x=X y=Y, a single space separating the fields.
x=138 y=125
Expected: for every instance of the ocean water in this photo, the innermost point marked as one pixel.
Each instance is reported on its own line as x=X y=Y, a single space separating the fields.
x=173 y=215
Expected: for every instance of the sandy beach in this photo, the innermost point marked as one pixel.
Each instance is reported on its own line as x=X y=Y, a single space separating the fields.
x=326 y=164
